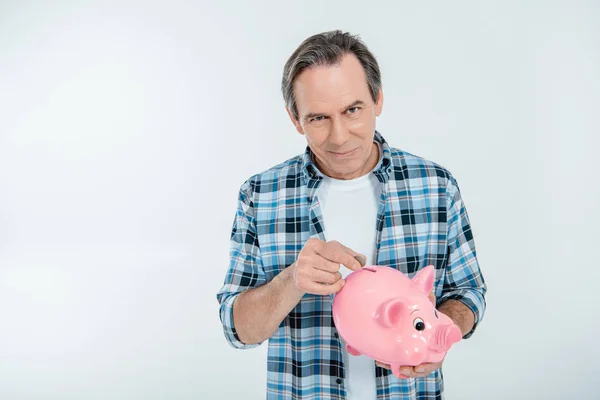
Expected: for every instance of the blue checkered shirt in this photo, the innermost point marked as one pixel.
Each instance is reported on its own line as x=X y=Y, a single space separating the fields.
x=421 y=221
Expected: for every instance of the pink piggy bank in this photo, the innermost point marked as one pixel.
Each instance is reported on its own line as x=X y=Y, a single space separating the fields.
x=385 y=315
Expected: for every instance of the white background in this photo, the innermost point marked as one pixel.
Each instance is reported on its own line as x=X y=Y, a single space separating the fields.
x=126 y=130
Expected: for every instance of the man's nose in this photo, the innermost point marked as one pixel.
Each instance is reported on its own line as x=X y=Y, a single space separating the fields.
x=339 y=133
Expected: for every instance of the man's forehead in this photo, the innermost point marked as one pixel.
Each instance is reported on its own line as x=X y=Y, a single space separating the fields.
x=329 y=88
x=346 y=74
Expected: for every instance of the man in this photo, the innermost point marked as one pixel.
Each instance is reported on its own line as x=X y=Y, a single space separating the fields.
x=350 y=200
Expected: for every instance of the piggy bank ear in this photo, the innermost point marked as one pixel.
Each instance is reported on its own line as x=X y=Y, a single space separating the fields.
x=424 y=279
x=391 y=311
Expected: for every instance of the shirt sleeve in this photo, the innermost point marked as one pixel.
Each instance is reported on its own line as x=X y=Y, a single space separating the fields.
x=245 y=269
x=463 y=279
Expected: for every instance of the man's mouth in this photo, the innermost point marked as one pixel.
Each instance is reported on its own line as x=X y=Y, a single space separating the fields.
x=343 y=153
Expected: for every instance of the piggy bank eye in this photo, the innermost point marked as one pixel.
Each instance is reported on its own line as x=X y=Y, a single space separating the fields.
x=435 y=312
x=419 y=324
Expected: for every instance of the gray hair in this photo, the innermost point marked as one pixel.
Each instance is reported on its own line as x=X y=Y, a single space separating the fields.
x=328 y=48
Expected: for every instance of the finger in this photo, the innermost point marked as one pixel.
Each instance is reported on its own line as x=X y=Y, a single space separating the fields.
x=382 y=365
x=427 y=368
x=432 y=298
x=405 y=372
x=319 y=288
x=335 y=252
x=408 y=372
x=422 y=373
x=361 y=259
x=324 y=264
x=320 y=276
x=313 y=259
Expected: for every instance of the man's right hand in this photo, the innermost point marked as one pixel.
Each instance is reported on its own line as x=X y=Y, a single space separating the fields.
x=316 y=270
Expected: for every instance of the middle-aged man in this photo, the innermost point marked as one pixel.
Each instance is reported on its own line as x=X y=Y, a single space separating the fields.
x=350 y=200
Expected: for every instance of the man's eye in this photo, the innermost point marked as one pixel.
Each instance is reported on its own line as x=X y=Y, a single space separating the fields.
x=318 y=119
x=352 y=110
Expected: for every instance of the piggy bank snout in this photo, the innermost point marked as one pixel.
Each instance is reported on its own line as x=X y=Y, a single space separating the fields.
x=445 y=336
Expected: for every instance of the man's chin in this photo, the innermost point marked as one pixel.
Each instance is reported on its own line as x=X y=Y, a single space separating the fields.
x=349 y=173
x=342 y=169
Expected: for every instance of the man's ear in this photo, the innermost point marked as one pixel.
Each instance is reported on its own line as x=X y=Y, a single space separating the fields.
x=295 y=122
x=379 y=103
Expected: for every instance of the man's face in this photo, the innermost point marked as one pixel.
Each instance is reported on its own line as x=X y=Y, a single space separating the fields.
x=337 y=116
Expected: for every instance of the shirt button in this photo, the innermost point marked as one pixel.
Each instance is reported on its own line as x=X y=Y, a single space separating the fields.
x=336 y=335
x=338 y=381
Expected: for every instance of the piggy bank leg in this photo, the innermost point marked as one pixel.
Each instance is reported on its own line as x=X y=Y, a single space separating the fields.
x=396 y=371
x=352 y=350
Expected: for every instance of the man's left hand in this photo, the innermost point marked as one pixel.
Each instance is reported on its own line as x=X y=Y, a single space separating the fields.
x=419 y=371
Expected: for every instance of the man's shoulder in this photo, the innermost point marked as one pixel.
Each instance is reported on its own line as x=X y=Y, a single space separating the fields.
x=287 y=172
x=408 y=165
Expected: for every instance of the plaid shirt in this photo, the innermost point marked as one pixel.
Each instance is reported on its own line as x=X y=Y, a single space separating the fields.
x=421 y=221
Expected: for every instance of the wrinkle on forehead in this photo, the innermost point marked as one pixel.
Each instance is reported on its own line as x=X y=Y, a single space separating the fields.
x=326 y=89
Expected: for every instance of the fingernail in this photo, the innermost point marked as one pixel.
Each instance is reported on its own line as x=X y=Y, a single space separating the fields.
x=419 y=369
x=362 y=260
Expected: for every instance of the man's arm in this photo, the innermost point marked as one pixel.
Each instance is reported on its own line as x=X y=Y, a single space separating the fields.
x=251 y=308
x=245 y=270
x=463 y=292
x=460 y=314
x=258 y=312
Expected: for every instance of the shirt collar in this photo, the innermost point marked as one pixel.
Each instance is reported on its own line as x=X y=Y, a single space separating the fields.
x=382 y=170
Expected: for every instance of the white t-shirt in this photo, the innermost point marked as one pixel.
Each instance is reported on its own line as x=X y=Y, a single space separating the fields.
x=349 y=211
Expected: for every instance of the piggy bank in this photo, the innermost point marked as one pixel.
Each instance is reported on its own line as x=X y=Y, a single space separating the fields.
x=382 y=313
